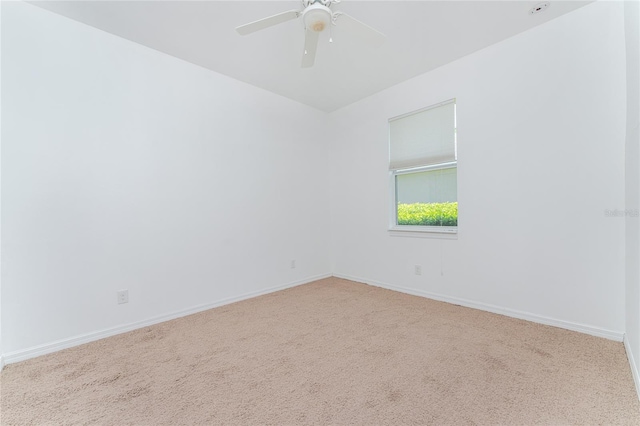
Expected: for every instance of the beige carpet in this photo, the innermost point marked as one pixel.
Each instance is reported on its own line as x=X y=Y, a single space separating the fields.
x=330 y=352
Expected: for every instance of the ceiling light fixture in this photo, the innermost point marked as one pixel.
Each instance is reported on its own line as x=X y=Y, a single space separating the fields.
x=317 y=17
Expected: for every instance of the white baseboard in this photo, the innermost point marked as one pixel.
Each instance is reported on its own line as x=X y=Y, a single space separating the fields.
x=33 y=352
x=632 y=363
x=17 y=356
x=582 y=328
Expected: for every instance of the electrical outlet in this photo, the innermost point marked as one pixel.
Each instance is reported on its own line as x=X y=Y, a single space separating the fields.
x=417 y=269
x=293 y=264
x=123 y=296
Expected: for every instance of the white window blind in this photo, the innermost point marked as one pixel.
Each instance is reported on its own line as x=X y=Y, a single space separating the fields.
x=423 y=138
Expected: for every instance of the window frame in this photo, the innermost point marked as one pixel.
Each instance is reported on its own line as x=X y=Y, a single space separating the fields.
x=393 y=225
x=443 y=232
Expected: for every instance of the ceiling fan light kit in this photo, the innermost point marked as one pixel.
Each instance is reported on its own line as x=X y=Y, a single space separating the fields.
x=317 y=16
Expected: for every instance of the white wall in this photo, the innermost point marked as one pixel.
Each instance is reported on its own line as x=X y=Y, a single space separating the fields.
x=541 y=140
x=1 y=351
x=632 y=187
x=126 y=168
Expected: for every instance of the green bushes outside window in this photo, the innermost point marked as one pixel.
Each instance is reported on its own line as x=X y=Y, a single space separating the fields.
x=428 y=214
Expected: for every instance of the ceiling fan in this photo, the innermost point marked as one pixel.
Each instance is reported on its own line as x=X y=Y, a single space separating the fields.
x=317 y=16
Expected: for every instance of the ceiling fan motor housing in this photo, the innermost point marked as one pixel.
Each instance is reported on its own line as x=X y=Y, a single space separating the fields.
x=316 y=17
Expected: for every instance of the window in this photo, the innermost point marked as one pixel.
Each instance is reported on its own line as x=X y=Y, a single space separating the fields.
x=423 y=170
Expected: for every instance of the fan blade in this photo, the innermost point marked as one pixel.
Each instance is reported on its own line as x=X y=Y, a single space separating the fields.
x=310 y=47
x=261 y=24
x=361 y=30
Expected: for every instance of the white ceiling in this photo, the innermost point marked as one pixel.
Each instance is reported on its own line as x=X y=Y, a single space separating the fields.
x=421 y=36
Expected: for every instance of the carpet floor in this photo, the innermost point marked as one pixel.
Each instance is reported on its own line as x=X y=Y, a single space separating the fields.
x=329 y=352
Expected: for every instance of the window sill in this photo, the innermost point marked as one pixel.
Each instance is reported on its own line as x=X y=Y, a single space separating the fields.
x=424 y=232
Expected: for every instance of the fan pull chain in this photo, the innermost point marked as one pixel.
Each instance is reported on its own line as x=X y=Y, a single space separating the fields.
x=333 y=22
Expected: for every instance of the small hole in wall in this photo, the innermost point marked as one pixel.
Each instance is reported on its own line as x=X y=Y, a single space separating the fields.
x=540 y=7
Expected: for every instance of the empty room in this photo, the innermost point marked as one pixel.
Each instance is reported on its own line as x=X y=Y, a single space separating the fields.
x=320 y=212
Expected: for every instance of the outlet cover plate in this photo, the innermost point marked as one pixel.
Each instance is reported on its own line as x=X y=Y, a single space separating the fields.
x=123 y=296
